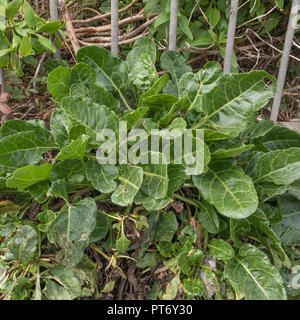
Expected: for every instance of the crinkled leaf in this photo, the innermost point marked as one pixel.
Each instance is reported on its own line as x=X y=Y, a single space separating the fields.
x=23 y=245
x=91 y=115
x=141 y=46
x=111 y=72
x=174 y=63
x=72 y=228
x=280 y=138
x=259 y=220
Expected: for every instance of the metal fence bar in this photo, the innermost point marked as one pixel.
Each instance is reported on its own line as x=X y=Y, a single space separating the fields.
x=114 y=27
x=173 y=24
x=285 y=58
x=230 y=35
x=2 y=81
x=54 y=17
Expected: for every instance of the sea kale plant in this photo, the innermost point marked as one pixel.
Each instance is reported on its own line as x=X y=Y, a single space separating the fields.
x=227 y=229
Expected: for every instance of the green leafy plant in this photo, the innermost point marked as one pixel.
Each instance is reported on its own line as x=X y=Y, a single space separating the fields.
x=239 y=224
x=23 y=34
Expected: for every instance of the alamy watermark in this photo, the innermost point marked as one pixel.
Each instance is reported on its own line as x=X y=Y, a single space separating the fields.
x=138 y=146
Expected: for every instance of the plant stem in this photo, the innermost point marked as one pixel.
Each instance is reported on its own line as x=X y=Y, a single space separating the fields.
x=184 y=199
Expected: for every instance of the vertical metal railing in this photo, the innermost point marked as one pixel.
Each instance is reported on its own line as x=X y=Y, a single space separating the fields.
x=114 y=27
x=54 y=17
x=173 y=24
x=285 y=58
x=2 y=81
x=230 y=36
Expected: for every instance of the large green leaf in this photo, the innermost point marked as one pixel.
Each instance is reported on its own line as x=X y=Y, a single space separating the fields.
x=155 y=179
x=102 y=177
x=155 y=89
x=174 y=63
x=64 y=283
x=259 y=220
x=208 y=217
x=23 y=246
x=59 y=82
x=281 y=167
x=252 y=273
x=162 y=226
x=194 y=85
x=227 y=149
x=111 y=72
x=60 y=125
x=24 y=148
x=280 y=138
x=71 y=230
x=257 y=129
x=13 y=8
x=89 y=114
x=289 y=228
x=27 y=176
x=220 y=249
x=232 y=104
x=131 y=179
x=228 y=189
x=101 y=228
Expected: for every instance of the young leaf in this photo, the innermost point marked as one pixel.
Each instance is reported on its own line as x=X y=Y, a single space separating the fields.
x=23 y=245
x=214 y=16
x=29 y=15
x=26 y=46
x=221 y=250
x=208 y=217
x=183 y=23
x=13 y=8
x=174 y=63
x=29 y=175
x=74 y=150
x=143 y=46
